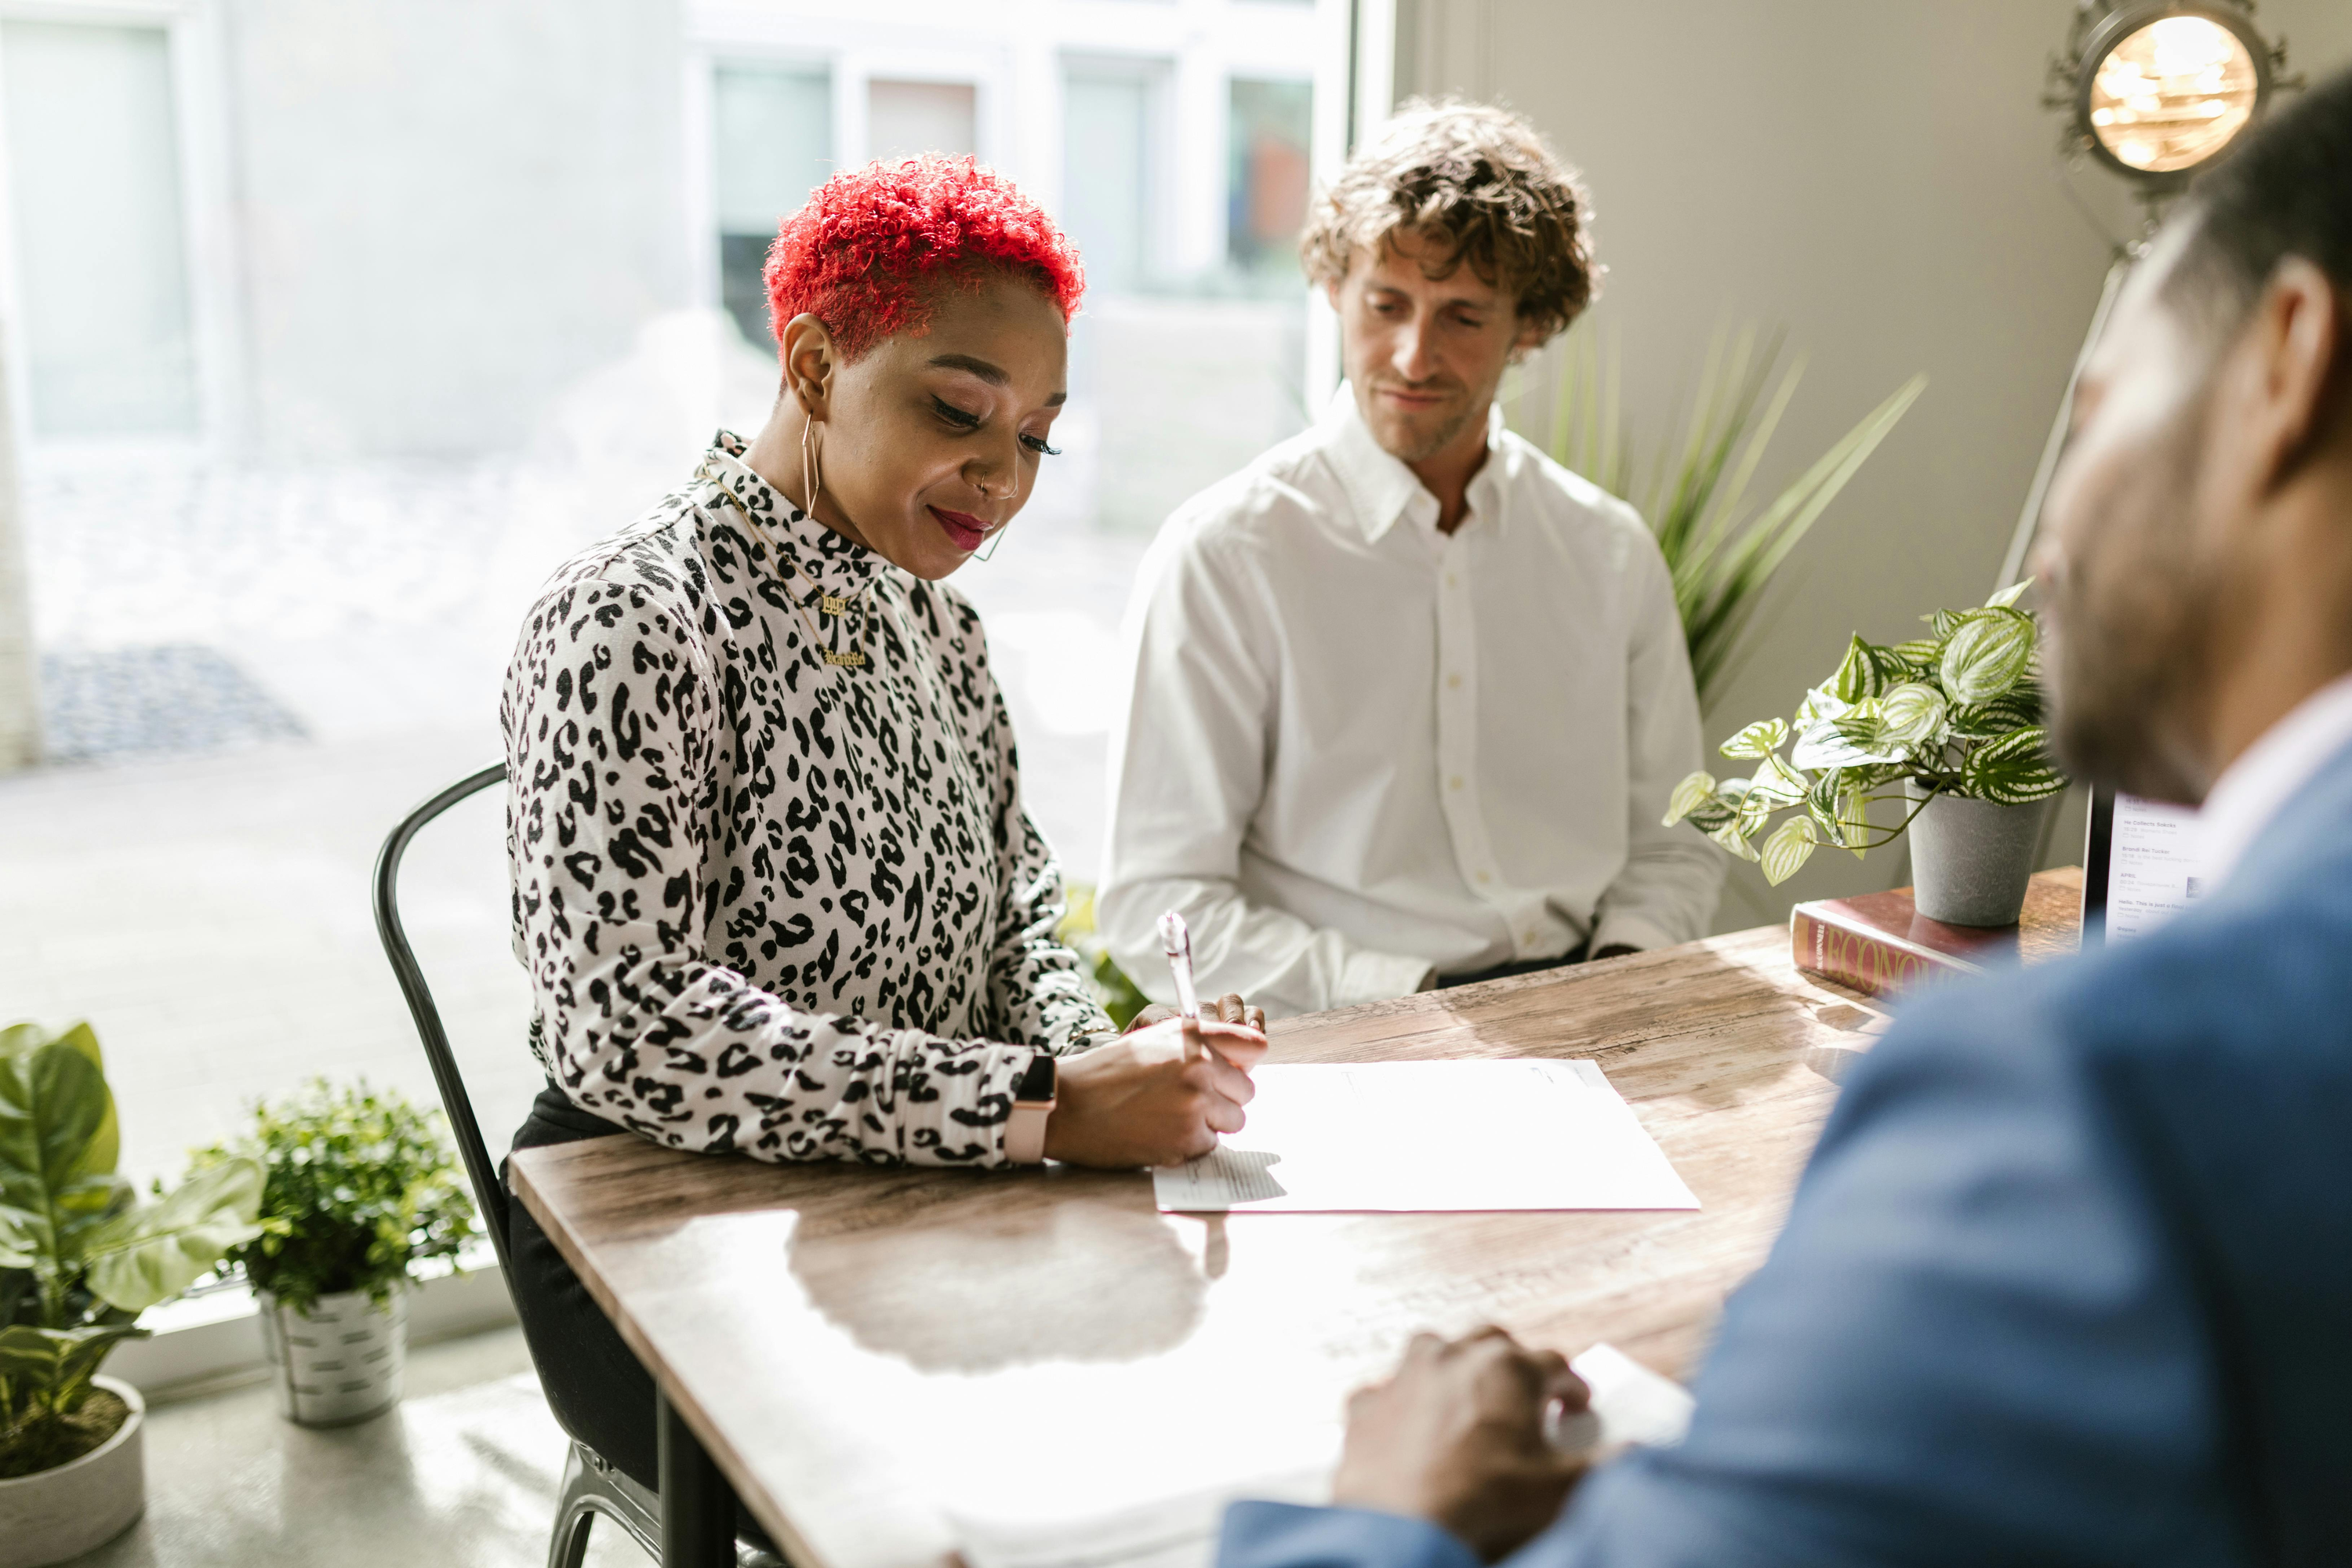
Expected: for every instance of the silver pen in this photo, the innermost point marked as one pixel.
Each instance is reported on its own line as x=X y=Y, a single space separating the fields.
x=1176 y=938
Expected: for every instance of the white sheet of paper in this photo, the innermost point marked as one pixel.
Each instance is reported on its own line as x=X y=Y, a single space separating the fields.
x=1630 y=1403
x=1424 y=1136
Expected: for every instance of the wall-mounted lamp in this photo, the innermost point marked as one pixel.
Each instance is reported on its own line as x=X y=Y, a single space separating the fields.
x=2157 y=89
x=2153 y=90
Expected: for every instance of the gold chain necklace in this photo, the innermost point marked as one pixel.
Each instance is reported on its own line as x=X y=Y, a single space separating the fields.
x=826 y=603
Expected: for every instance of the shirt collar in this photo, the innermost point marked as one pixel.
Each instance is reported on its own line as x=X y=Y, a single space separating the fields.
x=816 y=562
x=2270 y=773
x=1380 y=488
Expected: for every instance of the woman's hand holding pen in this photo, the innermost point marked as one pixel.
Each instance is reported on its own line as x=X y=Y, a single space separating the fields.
x=1146 y=1100
x=1229 y=1007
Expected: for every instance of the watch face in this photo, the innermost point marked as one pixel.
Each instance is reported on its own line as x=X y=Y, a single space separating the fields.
x=1036 y=1085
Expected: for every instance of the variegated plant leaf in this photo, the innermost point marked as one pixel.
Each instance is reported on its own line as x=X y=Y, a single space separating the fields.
x=1778 y=784
x=1689 y=796
x=1821 y=805
x=1730 y=837
x=1854 y=817
x=1820 y=703
x=1756 y=808
x=2011 y=770
x=1868 y=670
x=2008 y=595
x=1787 y=849
x=1922 y=654
x=1831 y=744
x=1760 y=739
x=1911 y=714
x=1987 y=654
x=2019 y=708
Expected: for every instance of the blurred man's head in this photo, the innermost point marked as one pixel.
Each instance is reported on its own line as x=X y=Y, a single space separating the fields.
x=1452 y=242
x=2197 y=558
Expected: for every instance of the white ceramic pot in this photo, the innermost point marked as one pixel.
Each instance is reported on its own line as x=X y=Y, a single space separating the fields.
x=51 y=1515
x=340 y=1361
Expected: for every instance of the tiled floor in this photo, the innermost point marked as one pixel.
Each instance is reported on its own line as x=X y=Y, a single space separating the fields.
x=209 y=913
x=462 y=1473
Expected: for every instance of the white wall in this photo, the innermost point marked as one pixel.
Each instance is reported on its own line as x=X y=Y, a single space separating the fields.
x=1876 y=175
x=449 y=211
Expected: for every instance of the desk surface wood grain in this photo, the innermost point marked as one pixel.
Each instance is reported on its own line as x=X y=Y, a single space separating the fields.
x=861 y=1350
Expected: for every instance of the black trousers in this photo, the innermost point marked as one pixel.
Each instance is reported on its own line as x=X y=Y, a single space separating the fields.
x=1500 y=971
x=601 y=1394
x=600 y=1391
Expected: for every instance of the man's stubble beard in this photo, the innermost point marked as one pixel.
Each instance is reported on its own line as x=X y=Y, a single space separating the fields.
x=1402 y=445
x=2132 y=631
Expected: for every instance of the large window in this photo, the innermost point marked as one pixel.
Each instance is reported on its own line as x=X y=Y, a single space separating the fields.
x=1107 y=187
x=94 y=167
x=772 y=144
x=904 y=117
x=1265 y=183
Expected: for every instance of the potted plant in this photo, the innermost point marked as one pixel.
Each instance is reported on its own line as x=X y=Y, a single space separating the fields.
x=1955 y=719
x=80 y=1257
x=360 y=1188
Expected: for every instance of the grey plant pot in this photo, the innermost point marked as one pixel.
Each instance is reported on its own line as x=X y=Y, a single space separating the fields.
x=1971 y=859
x=51 y=1515
x=339 y=1363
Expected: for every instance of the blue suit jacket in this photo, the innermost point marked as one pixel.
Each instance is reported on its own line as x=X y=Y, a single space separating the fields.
x=2069 y=1279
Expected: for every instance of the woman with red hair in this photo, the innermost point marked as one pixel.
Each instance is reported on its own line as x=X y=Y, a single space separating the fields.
x=773 y=876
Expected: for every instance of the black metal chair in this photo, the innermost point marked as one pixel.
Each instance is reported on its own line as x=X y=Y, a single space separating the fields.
x=592 y=1485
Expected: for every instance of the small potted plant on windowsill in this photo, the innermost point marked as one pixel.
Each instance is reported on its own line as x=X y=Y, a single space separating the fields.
x=360 y=1188
x=80 y=1257
x=1954 y=719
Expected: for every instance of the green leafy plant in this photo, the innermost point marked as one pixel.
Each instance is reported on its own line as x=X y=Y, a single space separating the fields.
x=81 y=1256
x=1959 y=712
x=1721 y=550
x=361 y=1186
x=1121 y=997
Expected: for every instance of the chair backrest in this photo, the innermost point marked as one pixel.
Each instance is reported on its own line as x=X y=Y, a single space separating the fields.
x=455 y=1100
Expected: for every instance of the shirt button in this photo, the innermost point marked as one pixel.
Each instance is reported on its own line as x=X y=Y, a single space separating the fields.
x=1452 y=581
x=1454 y=782
x=1485 y=877
x=1454 y=680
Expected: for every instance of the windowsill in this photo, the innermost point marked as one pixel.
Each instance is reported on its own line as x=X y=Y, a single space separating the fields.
x=210 y=1339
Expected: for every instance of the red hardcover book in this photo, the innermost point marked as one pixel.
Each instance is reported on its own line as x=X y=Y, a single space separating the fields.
x=1880 y=943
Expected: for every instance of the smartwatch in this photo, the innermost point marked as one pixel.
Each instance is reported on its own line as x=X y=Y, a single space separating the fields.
x=1032 y=1102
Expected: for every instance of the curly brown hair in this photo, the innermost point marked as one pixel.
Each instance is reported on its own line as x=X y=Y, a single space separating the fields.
x=1481 y=181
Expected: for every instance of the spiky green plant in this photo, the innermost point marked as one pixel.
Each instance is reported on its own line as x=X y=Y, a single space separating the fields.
x=1722 y=551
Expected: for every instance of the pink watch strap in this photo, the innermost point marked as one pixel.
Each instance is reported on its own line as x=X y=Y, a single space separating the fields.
x=1025 y=1133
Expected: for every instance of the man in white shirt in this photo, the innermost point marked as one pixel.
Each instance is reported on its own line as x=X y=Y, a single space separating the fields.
x=1407 y=697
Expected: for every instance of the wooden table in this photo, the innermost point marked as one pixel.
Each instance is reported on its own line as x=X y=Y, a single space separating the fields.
x=839 y=1339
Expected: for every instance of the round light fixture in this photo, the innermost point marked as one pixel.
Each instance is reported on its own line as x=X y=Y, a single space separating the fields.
x=2157 y=89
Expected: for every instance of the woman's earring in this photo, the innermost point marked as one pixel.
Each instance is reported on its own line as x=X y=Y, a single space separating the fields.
x=989 y=553
x=808 y=467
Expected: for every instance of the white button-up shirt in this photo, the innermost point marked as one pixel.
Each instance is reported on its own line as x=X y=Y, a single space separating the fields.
x=1356 y=749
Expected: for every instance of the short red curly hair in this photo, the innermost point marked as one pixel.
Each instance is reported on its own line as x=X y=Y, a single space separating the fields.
x=872 y=248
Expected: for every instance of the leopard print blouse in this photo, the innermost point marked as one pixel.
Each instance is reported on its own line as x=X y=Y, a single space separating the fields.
x=776 y=903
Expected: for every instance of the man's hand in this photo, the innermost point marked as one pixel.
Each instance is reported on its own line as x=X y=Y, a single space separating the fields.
x=1228 y=1009
x=1457 y=1437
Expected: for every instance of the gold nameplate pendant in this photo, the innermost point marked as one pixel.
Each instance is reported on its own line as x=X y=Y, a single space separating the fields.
x=851 y=660
x=830 y=606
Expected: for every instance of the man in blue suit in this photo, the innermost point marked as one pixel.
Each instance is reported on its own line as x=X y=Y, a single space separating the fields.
x=2069 y=1277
